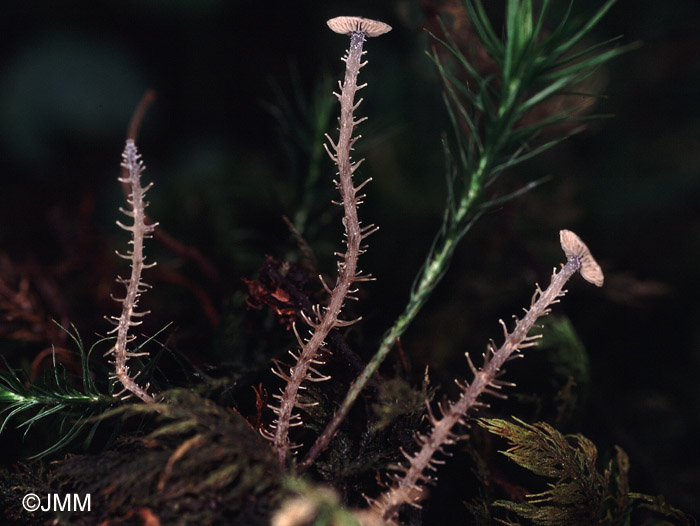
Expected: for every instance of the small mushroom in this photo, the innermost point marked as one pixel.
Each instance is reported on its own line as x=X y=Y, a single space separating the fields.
x=575 y=248
x=347 y=25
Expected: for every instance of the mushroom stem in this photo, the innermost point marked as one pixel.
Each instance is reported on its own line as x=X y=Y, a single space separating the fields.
x=408 y=485
x=134 y=285
x=327 y=317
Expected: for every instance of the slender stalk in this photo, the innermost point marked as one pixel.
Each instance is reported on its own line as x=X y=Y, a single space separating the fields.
x=134 y=285
x=407 y=487
x=327 y=317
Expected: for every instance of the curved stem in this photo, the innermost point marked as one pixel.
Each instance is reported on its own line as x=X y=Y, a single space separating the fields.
x=347 y=266
x=406 y=487
x=134 y=285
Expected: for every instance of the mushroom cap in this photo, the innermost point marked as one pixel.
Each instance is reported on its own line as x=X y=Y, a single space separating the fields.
x=573 y=247
x=347 y=25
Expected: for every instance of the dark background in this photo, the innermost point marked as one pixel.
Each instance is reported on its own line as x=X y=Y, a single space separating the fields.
x=226 y=169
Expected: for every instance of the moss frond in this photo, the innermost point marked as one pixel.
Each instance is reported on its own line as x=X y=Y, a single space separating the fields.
x=200 y=462
x=579 y=494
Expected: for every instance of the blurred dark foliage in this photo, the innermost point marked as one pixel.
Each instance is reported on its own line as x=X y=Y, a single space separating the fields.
x=72 y=74
x=216 y=467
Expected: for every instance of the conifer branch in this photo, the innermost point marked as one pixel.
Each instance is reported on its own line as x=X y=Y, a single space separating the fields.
x=131 y=161
x=407 y=487
x=327 y=318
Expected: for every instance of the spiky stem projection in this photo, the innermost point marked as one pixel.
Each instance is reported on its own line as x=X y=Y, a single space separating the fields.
x=407 y=486
x=326 y=318
x=131 y=161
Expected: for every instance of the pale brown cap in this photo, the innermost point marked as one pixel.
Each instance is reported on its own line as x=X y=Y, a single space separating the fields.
x=346 y=25
x=575 y=248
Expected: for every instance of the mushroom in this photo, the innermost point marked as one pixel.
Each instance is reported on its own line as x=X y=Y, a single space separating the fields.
x=347 y=25
x=574 y=248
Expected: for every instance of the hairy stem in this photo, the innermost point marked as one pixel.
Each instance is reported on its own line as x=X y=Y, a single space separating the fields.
x=131 y=161
x=327 y=317
x=406 y=488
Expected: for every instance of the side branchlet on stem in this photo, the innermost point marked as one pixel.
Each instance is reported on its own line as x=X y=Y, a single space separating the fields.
x=139 y=230
x=407 y=485
x=324 y=319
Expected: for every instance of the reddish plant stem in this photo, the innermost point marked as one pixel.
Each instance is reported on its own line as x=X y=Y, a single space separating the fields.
x=136 y=119
x=160 y=235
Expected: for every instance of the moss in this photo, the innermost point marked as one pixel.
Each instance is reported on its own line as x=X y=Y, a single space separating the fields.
x=200 y=462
